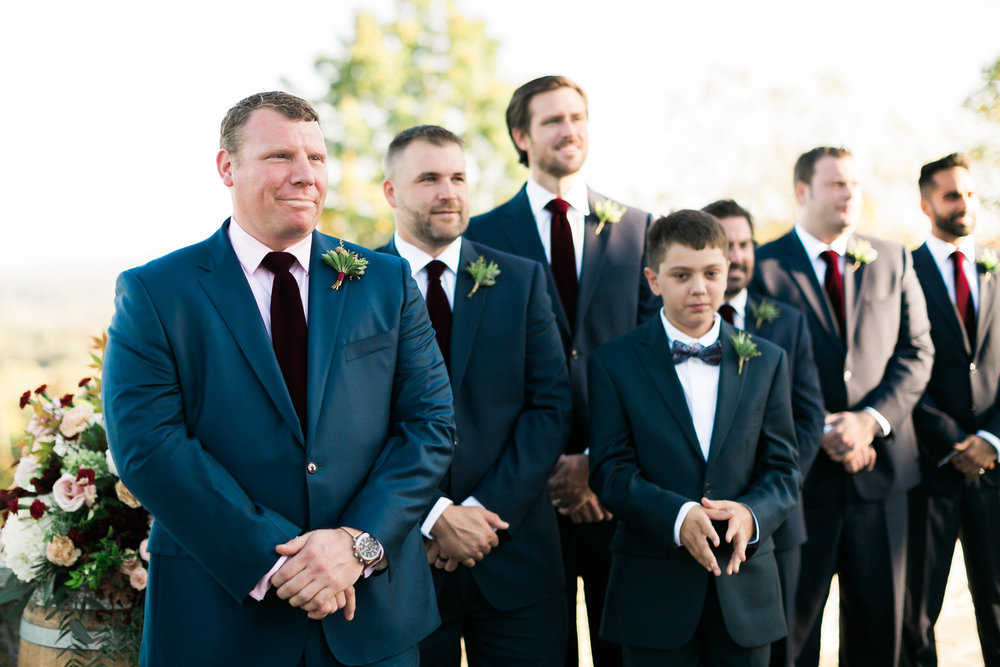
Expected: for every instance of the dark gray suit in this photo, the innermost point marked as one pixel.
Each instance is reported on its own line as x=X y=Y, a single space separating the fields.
x=613 y=297
x=962 y=397
x=856 y=523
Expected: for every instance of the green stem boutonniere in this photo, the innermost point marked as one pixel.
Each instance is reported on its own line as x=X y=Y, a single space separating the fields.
x=764 y=312
x=483 y=274
x=607 y=211
x=988 y=262
x=745 y=348
x=347 y=263
x=861 y=253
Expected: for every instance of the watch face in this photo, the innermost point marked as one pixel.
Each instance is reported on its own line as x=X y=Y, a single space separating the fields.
x=368 y=548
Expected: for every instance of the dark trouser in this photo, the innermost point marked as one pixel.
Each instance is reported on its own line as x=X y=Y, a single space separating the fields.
x=710 y=646
x=789 y=567
x=936 y=521
x=586 y=554
x=864 y=543
x=532 y=636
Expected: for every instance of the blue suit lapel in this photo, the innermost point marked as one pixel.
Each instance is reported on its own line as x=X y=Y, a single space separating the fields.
x=227 y=288
x=325 y=308
x=594 y=253
x=730 y=390
x=799 y=267
x=936 y=294
x=466 y=314
x=654 y=355
x=987 y=300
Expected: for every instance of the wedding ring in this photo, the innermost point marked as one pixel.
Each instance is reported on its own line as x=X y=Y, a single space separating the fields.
x=982 y=470
x=442 y=560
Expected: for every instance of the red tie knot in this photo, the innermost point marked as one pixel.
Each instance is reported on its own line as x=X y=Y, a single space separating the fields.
x=434 y=269
x=278 y=262
x=557 y=205
x=830 y=257
x=958 y=257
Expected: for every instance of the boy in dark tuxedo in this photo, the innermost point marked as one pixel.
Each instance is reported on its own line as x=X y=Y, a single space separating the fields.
x=693 y=446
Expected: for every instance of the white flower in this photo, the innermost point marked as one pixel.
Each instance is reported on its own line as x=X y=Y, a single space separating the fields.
x=27 y=468
x=76 y=419
x=24 y=544
x=40 y=429
x=112 y=468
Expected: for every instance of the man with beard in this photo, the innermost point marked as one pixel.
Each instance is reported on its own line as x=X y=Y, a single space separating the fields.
x=491 y=533
x=866 y=315
x=593 y=252
x=957 y=419
x=785 y=326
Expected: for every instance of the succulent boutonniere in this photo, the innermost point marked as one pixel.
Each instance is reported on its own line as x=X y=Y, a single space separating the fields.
x=745 y=348
x=607 y=211
x=988 y=263
x=347 y=263
x=764 y=312
x=483 y=274
x=861 y=253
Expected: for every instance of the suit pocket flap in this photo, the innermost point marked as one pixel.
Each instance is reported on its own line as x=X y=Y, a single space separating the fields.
x=366 y=346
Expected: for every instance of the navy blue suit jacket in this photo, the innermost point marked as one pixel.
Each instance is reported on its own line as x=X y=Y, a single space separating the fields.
x=963 y=395
x=512 y=413
x=203 y=431
x=790 y=333
x=613 y=294
x=646 y=462
x=885 y=363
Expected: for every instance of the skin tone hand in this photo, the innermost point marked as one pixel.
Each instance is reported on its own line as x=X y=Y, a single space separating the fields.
x=570 y=492
x=465 y=535
x=974 y=454
x=739 y=532
x=847 y=432
x=319 y=574
x=698 y=535
x=860 y=460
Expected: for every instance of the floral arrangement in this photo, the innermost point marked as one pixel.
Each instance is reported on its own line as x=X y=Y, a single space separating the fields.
x=745 y=348
x=348 y=264
x=483 y=274
x=607 y=212
x=68 y=522
x=988 y=262
x=862 y=253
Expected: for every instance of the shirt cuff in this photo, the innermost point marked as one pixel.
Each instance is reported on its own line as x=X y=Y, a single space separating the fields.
x=685 y=508
x=260 y=590
x=472 y=502
x=992 y=439
x=439 y=507
x=882 y=421
x=756 y=527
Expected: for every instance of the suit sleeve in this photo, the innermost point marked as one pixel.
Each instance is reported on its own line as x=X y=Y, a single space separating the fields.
x=614 y=469
x=807 y=399
x=909 y=368
x=404 y=478
x=512 y=485
x=196 y=500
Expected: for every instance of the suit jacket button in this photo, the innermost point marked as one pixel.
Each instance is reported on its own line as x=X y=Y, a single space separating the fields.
x=708 y=489
x=972 y=368
x=454 y=442
x=847 y=376
x=973 y=407
x=574 y=354
x=311 y=468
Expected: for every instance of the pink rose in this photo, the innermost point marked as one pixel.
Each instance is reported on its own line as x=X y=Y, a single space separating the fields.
x=131 y=564
x=138 y=579
x=41 y=430
x=61 y=551
x=144 y=549
x=75 y=420
x=70 y=495
x=27 y=469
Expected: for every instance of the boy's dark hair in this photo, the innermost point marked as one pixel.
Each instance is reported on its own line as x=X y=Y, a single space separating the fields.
x=695 y=229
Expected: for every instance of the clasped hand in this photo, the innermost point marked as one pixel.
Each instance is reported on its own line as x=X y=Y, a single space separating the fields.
x=848 y=440
x=463 y=536
x=319 y=573
x=698 y=535
x=975 y=456
x=571 y=493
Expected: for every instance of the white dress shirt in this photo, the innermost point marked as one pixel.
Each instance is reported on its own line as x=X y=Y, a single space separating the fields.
x=579 y=208
x=739 y=304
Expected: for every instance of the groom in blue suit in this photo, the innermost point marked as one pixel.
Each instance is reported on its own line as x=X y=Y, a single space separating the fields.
x=491 y=533
x=285 y=436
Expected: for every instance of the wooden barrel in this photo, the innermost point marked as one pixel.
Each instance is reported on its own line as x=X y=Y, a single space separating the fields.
x=41 y=645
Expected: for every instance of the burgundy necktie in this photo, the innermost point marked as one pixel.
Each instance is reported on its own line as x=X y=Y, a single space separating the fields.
x=728 y=313
x=963 y=298
x=563 y=257
x=438 y=307
x=834 y=285
x=288 y=328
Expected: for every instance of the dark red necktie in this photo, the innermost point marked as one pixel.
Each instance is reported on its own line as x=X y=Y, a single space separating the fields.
x=834 y=285
x=563 y=257
x=438 y=307
x=963 y=297
x=288 y=328
x=728 y=313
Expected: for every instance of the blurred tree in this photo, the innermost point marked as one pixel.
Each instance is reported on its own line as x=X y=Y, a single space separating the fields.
x=986 y=100
x=428 y=64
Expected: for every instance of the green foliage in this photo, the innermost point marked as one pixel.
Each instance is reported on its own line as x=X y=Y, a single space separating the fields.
x=987 y=99
x=428 y=65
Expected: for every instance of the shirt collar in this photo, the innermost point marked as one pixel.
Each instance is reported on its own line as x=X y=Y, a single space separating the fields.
x=941 y=250
x=673 y=333
x=814 y=246
x=418 y=259
x=577 y=197
x=250 y=252
x=739 y=302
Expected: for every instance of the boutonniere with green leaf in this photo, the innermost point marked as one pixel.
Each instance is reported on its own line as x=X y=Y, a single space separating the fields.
x=764 y=312
x=861 y=253
x=988 y=263
x=745 y=348
x=483 y=274
x=347 y=263
x=607 y=211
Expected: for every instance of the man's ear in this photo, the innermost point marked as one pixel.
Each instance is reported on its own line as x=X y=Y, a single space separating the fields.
x=653 y=280
x=925 y=206
x=224 y=163
x=521 y=139
x=800 y=192
x=390 y=192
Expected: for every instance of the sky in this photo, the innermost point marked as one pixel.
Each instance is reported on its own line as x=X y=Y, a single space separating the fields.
x=109 y=123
